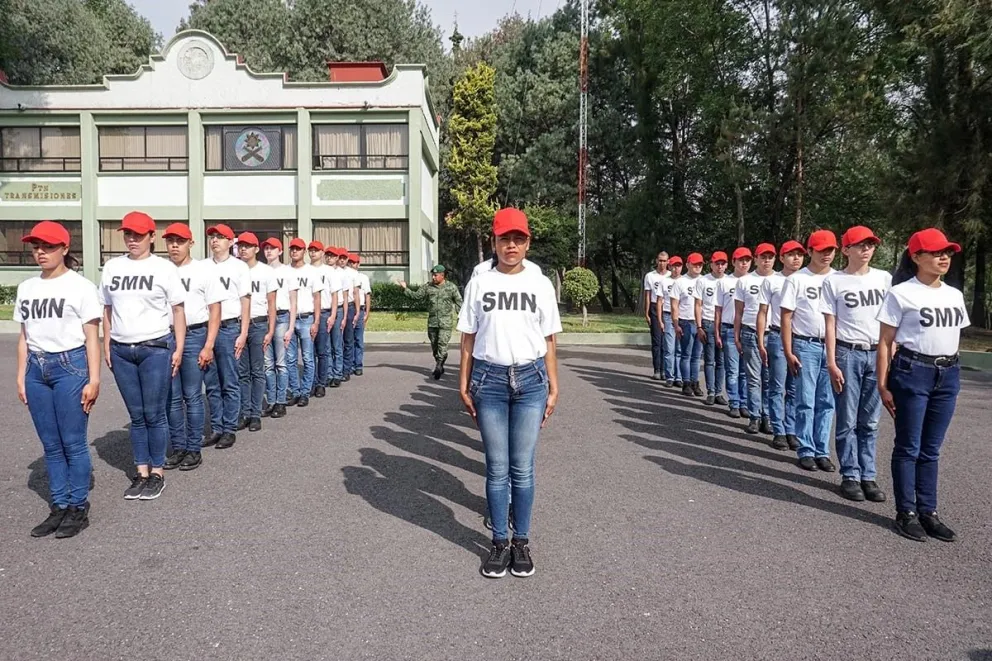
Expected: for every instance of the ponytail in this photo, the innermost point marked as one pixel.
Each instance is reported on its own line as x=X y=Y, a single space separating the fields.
x=71 y=262
x=906 y=270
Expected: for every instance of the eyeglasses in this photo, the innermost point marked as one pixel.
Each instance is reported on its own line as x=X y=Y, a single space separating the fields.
x=947 y=252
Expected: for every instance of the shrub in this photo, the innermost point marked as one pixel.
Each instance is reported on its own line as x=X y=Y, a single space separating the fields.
x=8 y=294
x=580 y=286
x=389 y=296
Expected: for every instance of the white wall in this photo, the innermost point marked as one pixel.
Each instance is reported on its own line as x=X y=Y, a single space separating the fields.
x=427 y=191
x=142 y=191
x=249 y=190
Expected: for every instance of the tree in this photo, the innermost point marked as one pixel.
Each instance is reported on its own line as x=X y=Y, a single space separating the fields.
x=580 y=287
x=472 y=132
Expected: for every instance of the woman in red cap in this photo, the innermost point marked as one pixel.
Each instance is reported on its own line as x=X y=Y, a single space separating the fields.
x=683 y=297
x=509 y=383
x=919 y=384
x=138 y=290
x=58 y=372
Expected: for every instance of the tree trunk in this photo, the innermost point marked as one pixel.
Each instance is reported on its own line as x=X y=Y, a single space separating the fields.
x=979 y=312
x=797 y=227
x=585 y=316
x=478 y=245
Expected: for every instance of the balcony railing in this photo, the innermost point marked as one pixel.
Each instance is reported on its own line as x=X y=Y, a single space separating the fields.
x=60 y=164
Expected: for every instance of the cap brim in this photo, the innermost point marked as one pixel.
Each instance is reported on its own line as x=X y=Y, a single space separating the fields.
x=41 y=239
x=522 y=230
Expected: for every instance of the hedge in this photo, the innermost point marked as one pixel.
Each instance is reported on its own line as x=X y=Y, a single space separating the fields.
x=389 y=296
x=8 y=294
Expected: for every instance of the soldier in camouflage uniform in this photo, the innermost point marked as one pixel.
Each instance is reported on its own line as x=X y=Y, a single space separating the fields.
x=443 y=303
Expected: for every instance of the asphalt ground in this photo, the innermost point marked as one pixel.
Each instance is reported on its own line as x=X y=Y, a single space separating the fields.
x=352 y=529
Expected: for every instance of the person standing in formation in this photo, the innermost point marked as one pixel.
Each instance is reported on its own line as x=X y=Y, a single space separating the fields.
x=261 y=330
x=487 y=265
x=322 y=343
x=58 y=372
x=443 y=302
x=657 y=325
x=223 y=385
x=276 y=370
x=301 y=345
x=364 y=308
x=138 y=290
x=339 y=319
x=803 y=334
x=781 y=383
x=684 y=318
x=203 y=294
x=353 y=300
x=724 y=318
x=747 y=302
x=673 y=347
x=509 y=383
x=923 y=316
x=706 y=292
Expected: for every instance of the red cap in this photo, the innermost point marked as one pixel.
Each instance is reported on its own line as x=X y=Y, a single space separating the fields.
x=719 y=256
x=790 y=246
x=330 y=250
x=273 y=242
x=764 y=249
x=49 y=232
x=221 y=229
x=178 y=229
x=741 y=253
x=355 y=258
x=248 y=239
x=510 y=220
x=137 y=222
x=316 y=245
x=821 y=240
x=930 y=240
x=858 y=234
x=298 y=243
x=695 y=258
x=675 y=261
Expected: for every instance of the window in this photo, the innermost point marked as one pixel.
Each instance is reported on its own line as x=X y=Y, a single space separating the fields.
x=143 y=148
x=39 y=149
x=284 y=230
x=380 y=243
x=112 y=241
x=14 y=252
x=249 y=148
x=361 y=147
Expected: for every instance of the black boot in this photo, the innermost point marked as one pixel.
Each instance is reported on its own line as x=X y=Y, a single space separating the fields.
x=51 y=524
x=278 y=411
x=438 y=370
x=75 y=521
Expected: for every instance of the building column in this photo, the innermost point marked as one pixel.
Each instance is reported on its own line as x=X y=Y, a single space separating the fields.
x=194 y=193
x=304 y=167
x=89 y=163
x=416 y=273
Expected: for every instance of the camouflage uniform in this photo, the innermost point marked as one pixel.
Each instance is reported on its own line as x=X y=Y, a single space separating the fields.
x=443 y=303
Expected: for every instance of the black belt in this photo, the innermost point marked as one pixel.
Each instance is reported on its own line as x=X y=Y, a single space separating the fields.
x=325 y=309
x=227 y=323
x=726 y=325
x=775 y=329
x=306 y=315
x=202 y=324
x=155 y=343
x=857 y=346
x=936 y=361
x=259 y=319
x=808 y=338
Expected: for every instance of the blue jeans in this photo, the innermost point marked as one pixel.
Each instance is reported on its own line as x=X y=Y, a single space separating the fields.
x=756 y=375
x=925 y=396
x=222 y=382
x=186 y=425
x=814 y=399
x=337 y=346
x=692 y=349
x=657 y=341
x=781 y=387
x=144 y=375
x=713 y=367
x=349 y=342
x=509 y=404
x=301 y=343
x=322 y=347
x=858 y=408
x=276 y=375
x=736 y=373
x=360 y=341
x=673 y=351
x=251 y=370
x=54 y=386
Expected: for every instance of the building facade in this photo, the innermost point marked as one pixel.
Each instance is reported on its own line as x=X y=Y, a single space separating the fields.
x=196 y=136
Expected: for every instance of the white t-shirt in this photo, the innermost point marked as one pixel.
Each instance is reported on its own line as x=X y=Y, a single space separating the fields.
x=285 y=282
x=511 y=316
x=651 y=280
x=364 y=285
x=263 y=282
x=486 y=266
x=725 y=289
x=350 y=278
x=663 y=288
x=748 y=290
x=54 y=310
x=770 y=294
x=326 y=279
x=684 y=292
x=928 y=320
x=202 y=290
x=141 y=293
x=234 y=277
x=855 y=301
x=308 y=284
x=705 y=291
x=801 y=294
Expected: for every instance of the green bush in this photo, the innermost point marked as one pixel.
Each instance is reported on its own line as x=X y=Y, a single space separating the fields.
x=580 y=287
x=8 y=294
x=389 y=296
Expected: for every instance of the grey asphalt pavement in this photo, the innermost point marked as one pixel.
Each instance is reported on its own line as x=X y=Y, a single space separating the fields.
x=352 y=529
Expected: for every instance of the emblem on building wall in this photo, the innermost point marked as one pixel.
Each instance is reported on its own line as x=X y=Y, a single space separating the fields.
x=252 y=148
x=196 y=60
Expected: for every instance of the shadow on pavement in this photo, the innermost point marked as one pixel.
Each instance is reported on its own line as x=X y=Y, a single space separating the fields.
x=38 y=479
x=114 y=448
x=980 y=655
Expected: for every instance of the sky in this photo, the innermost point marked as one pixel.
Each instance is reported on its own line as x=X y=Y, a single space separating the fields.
x=165 y=14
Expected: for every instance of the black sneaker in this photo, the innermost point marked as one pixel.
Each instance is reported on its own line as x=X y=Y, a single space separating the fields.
x=793 y=441
x=76 y=520
x=212 y=440
x=745 y=413
x=319 y=391
x=154 y=486
x=669 y=383
x=346 y=378
x=872 y=491
x=137 y=486
x=778 y=443
x=807 y=463
x=825 y=465
x=279 y=411
x=734 y=413
x=242 y=423
x=710 y=400
x=907 y=525
x=304 y=402
x=696 y=390
x=752 y=426
x=175 y=459
x=931 y=524
x=851 y=489
x=254 y=424
x=191 y=461
x=687 y=389
x=656 y=376
x=497 y=562
x=766 y=426
x=678 y=383
x=358 y=372
x=720 y=400
x=226 y=441
x=522 y=564
x=51 y=524
x=335 y=383
x=293 y=401
x=267 y=410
